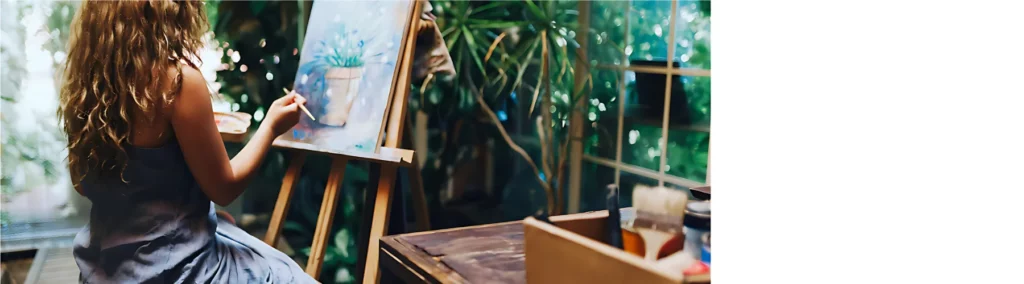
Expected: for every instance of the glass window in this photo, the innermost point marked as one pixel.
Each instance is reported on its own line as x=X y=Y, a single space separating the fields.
x=35 y=180
x=650 y=146
x=607 y=32
x=602 y=116
x=648 y=29
x=693 y=34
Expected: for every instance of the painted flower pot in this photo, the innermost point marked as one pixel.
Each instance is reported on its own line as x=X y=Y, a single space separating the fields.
x=342 y=90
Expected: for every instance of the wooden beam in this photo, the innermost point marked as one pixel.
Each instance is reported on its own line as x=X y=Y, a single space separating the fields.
x=577 y=123
x=643 y=172
x=689 y=72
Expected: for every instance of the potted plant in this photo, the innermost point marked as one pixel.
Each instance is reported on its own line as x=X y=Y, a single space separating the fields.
x=343 y=59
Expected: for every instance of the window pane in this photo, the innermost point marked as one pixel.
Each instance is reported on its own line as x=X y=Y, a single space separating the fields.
x=641 y=129
x=693 y=34
x=627 y=182
x=640 y=144
x=607 y=32
x=689 y=128
x=603 y=114
x=697 y=92
x=648 y=29
x=687 y=154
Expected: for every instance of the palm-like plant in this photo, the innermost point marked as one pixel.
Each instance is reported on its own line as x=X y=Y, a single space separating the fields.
x=503 y=48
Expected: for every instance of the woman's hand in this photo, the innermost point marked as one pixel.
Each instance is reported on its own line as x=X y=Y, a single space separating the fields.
x=284 y=113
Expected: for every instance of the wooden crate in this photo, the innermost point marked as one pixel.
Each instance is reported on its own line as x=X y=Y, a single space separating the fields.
x=574 y=251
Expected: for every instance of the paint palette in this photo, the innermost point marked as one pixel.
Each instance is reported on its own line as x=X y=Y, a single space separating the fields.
x=232 y=124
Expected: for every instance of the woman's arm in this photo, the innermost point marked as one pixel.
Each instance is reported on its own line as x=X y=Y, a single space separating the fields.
x=223 y=179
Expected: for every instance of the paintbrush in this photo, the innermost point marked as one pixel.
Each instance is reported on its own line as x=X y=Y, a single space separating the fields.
x=542 y=216
x=659 y=217
x=614 y=225
x=286 y=91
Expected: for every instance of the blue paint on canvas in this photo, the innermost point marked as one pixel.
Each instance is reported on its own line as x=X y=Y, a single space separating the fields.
x=348 y=64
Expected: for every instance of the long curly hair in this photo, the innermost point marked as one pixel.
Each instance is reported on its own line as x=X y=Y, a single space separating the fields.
x=119 y=55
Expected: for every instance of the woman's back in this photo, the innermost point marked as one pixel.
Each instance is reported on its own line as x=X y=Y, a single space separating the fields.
x=152 y=225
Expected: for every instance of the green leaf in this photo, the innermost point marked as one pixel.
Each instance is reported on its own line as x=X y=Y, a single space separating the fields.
x=453 y=39
x=490 y=6
x=524 y=64
x=486 y=24
x=535 y=10
x=341 y=241
x=471 y=43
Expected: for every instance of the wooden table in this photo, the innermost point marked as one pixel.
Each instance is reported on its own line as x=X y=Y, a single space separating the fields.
x=490 y=253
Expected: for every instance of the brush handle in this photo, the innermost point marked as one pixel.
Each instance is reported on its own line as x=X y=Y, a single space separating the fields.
x=542 y=216
x=614 y=226
x=303 y=107
x=307 y=112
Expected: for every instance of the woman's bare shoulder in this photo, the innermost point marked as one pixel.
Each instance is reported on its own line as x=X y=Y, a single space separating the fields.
x=192 y=84
x=191 y=78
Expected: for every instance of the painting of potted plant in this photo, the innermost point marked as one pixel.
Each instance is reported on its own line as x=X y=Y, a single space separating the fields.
x=343 y=57
x=349 y=62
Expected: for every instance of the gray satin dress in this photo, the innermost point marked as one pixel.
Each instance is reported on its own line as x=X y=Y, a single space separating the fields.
x=161 y=228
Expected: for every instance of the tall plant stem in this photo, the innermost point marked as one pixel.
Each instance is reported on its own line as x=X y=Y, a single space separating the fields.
x=479 y=95
x=515 y=147
x=560 y=180
x=547 y=141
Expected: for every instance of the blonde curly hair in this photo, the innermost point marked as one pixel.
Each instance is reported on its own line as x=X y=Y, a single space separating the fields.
x=118 y=56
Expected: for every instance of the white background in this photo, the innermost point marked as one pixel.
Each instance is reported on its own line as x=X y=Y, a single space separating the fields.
x=868 y=141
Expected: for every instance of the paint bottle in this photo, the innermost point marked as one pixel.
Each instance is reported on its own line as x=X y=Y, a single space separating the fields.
x=696 y=223
x=705 y=250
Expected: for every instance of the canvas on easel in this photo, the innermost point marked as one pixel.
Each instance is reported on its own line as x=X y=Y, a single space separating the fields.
x=355 y=74
x=347 y=72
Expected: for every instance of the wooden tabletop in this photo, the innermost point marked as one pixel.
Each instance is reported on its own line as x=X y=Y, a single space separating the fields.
x=481 y=254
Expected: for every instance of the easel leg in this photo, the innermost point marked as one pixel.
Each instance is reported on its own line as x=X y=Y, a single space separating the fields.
x=284 y=198
x=378 y=227
x=326 y=217
x=398 y=216
x=369 y=197
x=419 y=198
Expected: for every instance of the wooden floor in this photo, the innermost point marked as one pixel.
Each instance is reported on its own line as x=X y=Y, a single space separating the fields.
x=14 y=270
x=51 y=241
x=53 y=265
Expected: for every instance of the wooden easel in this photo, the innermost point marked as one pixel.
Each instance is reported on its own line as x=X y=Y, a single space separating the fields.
x=389 y=158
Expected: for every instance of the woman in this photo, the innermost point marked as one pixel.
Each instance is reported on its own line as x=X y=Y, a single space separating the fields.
x=144 y=148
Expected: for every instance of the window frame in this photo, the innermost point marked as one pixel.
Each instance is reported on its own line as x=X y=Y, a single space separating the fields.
x=668 y=70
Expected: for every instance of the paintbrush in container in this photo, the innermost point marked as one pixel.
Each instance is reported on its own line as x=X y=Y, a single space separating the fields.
x=659 y=218
x=614 y=225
